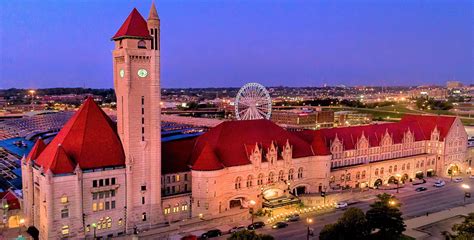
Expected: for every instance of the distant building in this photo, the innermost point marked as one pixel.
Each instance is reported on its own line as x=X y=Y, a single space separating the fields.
x=429 y=91
x=453 y=84
x=348 y=118
x=303 y=118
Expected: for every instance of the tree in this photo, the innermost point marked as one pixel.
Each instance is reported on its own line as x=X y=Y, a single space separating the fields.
x=352 y=225
x=249 y=235
x=385 y=218
x=464 y=230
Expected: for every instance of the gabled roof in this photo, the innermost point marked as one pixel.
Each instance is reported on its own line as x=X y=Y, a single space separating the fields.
x=230 y=140
x=427 y=123
x=36 y=150
x=60 y=163
x=419 y=125
x=134 y=26
x=207 y=160
x=88 y=139
x=12 y=200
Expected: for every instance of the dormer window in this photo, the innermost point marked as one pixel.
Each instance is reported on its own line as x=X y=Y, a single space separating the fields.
x=142 y=44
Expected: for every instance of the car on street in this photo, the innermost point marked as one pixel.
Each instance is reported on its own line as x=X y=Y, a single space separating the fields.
x=340 y=205
x=292 y=218
x=237 y=229
x=471 y=176
x=421 y=189
x=256 y=225
x=279 y=225
x=458 y=179
x=439 y=183
x=211 y=233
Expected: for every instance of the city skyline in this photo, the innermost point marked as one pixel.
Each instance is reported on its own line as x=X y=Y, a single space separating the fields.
x=231 y=43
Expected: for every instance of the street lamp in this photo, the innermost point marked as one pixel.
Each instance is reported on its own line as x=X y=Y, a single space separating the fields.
x=94 y=226
x=252 y=204
x=309 y=232
x=398 y=181
x=22 y=221
x=392 y=203
x=32 y=92
x=467 y=194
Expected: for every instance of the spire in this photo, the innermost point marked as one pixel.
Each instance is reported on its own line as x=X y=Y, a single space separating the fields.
x=133 y=27
x=153 y=13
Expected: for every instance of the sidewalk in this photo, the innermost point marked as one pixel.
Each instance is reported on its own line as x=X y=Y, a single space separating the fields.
x=415 y=223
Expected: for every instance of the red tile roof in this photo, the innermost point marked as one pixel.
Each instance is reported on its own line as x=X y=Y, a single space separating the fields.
x=134 y=26
x=175 y=155
x=428 y=122
x=88 y=139
x=12 y=200
x=207 y=160
x=36 y=150
x=228 y=140
x=421 y=126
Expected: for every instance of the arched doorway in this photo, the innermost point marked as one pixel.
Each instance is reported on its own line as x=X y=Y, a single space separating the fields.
x=430 y=173
x=405 y=177
x=419 y=175
x=236 y=203
x=299 y=190
x=393 y=180
x=453 y=170
x=378 y=183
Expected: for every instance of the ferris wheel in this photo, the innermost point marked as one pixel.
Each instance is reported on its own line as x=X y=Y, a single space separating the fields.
x=253 y=102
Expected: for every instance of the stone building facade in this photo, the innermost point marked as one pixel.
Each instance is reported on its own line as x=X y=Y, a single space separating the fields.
x=98 y=178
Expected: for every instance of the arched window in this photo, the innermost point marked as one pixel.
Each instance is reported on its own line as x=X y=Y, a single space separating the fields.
x=238 y=181
x=281 y=176
x=363 y=174
x=271 y=177
x=422 y=162
x=408 y=166
x=290 y=174
x=395 y=168
x=64 y=199
x=381 y=170
x=249 y=181
x=432 y=162
x=376 y=171
x=260 y=179
x=390 y=169
x=300 y=172
x=358 y=175
x=142 y=44
x=418 y=164
x=343 y=177
x=348 y=176
x=403 y=167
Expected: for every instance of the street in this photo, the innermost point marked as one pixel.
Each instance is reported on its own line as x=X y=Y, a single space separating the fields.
x=413 y=204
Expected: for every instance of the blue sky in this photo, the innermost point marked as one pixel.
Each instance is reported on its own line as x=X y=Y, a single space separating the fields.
x=214 y=43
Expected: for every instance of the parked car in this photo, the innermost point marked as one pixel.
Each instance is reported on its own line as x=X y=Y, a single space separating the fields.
x=421 y=189
x=439 y=183
x=292 y=218
x=237 y=229
x=341 y=205
x=256 y=225
x=471 y=176
x=211 y=233
x=458 y=179
x=280 y=225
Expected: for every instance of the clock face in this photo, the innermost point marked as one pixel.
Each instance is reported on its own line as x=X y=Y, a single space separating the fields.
x=122 y=73
x=142 y=73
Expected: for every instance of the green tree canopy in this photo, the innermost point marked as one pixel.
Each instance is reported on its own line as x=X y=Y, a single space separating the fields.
x=385 y=218
x=352 y=225
x=249 y=235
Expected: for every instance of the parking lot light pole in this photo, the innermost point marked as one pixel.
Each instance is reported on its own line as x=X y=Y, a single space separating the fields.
x=467 y=194
x=308 y=232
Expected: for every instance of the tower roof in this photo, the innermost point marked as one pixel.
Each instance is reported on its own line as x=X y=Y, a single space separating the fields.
x=87 y=139
x=134 y=26
x=36 y=150
x=153 y=13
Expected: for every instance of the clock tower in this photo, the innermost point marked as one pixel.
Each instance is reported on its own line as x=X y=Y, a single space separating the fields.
x=136 y=66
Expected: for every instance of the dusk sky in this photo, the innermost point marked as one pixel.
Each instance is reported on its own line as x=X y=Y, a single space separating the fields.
x=228 y=43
